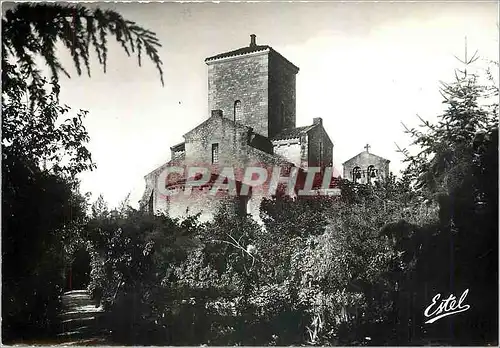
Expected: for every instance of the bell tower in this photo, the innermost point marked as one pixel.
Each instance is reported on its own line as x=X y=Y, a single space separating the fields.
x=366 y=167
x=255 y=86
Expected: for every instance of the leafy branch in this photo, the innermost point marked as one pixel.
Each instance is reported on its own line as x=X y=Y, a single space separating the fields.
x=32 y=30
x=249 y=250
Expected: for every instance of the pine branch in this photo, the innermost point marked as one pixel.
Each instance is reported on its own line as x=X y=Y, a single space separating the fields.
x=33 y=29
x=403 y=151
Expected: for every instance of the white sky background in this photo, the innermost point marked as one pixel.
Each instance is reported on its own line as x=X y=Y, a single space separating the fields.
x=364 y=68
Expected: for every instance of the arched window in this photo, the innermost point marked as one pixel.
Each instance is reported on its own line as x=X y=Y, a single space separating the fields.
x=238 y=112
x=356 y=174
x=372 y=173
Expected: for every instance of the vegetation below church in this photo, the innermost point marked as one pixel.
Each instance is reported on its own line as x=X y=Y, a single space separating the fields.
x=44 y=147
x=359 y=269
x=353 y=270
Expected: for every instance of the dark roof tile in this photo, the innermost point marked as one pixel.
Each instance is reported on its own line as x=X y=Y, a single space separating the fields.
x=239 y=52
x=250 y=49
x=292 y=133
x=179 y=146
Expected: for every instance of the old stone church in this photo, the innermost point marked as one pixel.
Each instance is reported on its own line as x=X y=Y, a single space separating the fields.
x=366 y=168
x=251 y=121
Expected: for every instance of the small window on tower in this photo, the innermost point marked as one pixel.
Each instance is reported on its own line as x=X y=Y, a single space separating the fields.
x=237 y=111
x=215 y=153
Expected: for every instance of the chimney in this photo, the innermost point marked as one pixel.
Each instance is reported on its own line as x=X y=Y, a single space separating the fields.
x=216 y=113
x=318 y=120
x=252 y=40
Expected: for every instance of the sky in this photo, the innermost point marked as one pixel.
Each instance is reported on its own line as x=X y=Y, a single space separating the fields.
x=364 y=68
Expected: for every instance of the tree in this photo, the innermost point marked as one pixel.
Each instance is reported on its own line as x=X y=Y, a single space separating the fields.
x=41 y=206
x=340 y=267
x=457 y=167
x=134 y=261
x=30 y=100
x=39 y=211
x=448 y=148
x=32 y=30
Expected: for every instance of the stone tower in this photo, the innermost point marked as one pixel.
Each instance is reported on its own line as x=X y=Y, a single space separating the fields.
x=255 y=86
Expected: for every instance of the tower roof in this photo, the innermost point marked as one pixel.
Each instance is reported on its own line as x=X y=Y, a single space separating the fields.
x=252 y=48
x=239 y=52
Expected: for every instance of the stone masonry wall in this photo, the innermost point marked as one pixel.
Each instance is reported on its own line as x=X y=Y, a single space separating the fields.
x=233 y=152
x=320 y=152
x=289 y=149
x=243 y=78
x=198 y=202
x=282 y=94
x=231 y=141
